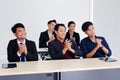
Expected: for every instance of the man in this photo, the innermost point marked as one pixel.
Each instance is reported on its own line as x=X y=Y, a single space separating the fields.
x=93 y=46
x=48 y=35
x=21 y=49
x=60 y=48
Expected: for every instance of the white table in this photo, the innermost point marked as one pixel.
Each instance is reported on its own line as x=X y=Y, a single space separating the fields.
x=37 y=67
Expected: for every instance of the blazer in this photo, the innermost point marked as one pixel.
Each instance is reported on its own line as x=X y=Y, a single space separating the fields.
x=55 y=50
x=76 y=35
x=13 y=48
x=44 y=37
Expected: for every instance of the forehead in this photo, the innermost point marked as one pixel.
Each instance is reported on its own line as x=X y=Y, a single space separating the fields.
x=20 y=28
x=72 y=24
x=61 y=28
x=52 y=23
x=90 y=27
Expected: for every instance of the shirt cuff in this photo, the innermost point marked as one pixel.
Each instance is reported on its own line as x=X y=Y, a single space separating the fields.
x=18 y=54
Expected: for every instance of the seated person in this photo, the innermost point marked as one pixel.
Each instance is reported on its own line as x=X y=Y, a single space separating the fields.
x=71 y=34
x=21 y=49
x=93 y=46
x=48 y=35
x=60 y=48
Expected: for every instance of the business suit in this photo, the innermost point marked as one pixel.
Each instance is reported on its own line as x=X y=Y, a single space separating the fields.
x=44 y=37
x=76 y=35
x=13 y=48
x=55 y=50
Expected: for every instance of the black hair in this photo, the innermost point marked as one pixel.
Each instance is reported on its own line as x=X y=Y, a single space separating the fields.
x=49 y=22
x=70 y=22
x=17 y=25
x=86 y=25
x=58 y=25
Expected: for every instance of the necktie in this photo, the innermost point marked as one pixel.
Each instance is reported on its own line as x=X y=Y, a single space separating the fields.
x=22 y=55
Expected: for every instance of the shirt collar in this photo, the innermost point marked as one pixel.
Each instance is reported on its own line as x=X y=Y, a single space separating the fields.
x=21 y=42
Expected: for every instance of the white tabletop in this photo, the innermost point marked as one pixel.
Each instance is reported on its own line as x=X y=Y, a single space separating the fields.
x=37 y=67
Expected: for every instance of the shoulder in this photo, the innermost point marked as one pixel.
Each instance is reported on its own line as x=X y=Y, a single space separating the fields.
x=100 y=37
x=85 y=39
x=13 y=41
x=30 y=41
x=55 y=41
x=76 y=34
x=44 y=32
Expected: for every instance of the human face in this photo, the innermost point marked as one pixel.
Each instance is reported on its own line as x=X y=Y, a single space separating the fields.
x=72 y=27
x=91 y=31
x=61 y=33
x=20 y=33
x=51 y=26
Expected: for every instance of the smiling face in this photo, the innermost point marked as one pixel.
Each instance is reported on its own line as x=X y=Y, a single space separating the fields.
x=51 y=26
x=71 y=27
x=61 y=33
x=90 y=31
x=20 y=33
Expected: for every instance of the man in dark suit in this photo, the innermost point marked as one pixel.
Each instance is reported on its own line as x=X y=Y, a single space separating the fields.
x=21 y=49
x=60 y=48
x=48 y=35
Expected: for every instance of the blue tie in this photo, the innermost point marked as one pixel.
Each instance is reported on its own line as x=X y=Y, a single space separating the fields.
x=22 y=55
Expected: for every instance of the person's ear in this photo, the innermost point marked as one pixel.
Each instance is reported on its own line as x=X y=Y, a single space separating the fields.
x=55 y=32
x=85 y=32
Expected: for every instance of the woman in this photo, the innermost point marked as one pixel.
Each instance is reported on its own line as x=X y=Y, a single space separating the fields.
x=71 y=34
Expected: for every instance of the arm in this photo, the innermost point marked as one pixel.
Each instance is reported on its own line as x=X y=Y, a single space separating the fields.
x=55 y=51
x=42 y=41
x=32 y=52
x=105 y=47
x=12 y=52
x=84 y=47
x=91 y=53
x=76 y=49
x=77 y=39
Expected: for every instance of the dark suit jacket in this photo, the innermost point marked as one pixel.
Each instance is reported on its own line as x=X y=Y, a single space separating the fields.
x=13 y=48
x=44 y=37
x=55 y=50
x=76 y=35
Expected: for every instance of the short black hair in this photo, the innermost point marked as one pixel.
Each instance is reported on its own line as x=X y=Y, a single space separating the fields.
x=86 y=25
x=17 y=25
x=58 y=25
x=50 y=21
x=70 y=22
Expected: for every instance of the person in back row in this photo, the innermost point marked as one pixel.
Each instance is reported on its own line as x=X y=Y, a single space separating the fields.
x=21 y=49
x=93 y=46
x=71 y=34
x=48 y=35
x=61 y=48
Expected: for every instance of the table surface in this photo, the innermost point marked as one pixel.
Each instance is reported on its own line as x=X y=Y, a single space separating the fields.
x=36 y=67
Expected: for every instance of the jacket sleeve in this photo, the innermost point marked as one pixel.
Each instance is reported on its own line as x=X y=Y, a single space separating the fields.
x=55 y=51
x=78 y=51
x=32 y=52
x=42 y=41
x=12 y=52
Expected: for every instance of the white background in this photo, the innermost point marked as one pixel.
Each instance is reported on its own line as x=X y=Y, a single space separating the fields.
x=106 y=17
x=35 y=14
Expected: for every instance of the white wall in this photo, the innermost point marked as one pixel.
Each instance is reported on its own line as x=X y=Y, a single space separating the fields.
x=34 y=14
x=106 y=17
